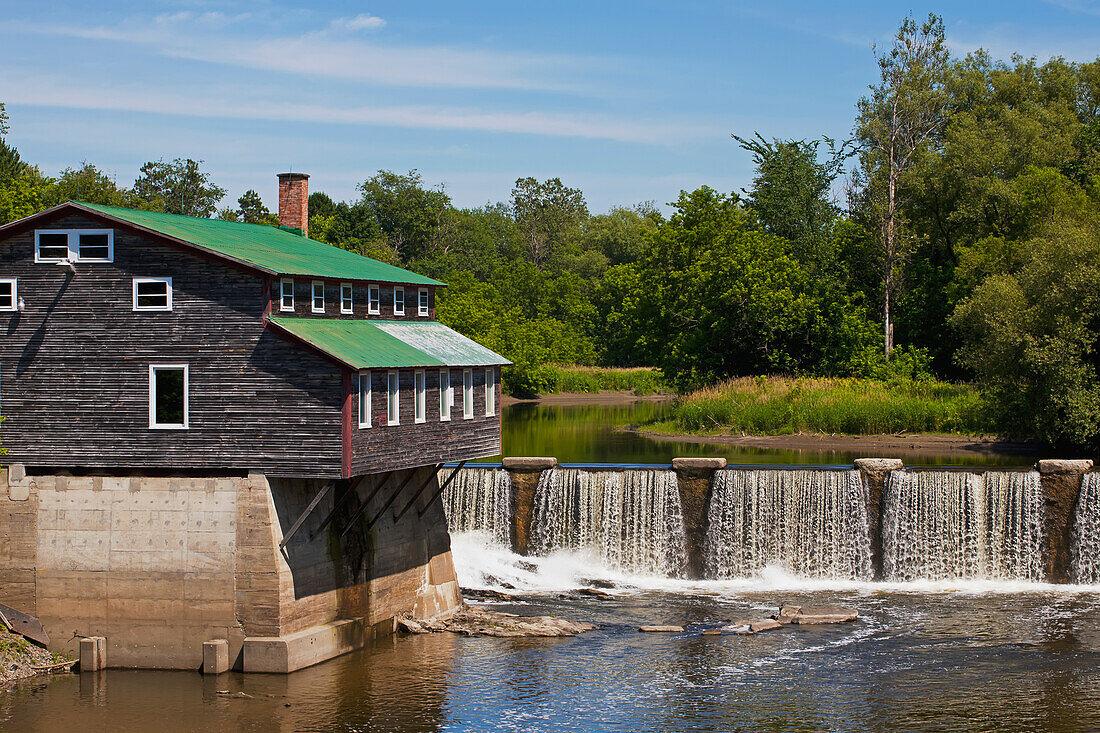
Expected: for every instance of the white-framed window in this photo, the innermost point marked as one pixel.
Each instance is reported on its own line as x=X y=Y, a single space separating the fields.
x=374 y=300
x=9 y=294
x=446 y=395
x=420 y=389
x=364 y=399
x=75 y=245
x=467 y=394
x=393 y=398
x=152 y=293
x=168 y=396
x=490 y=391
x=286 y=294
x=398 y=300
x=422 y=302
x=345 y=298
x=318 y=296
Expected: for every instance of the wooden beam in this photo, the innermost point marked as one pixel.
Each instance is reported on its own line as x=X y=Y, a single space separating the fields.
x=365 y=503
x=336 y=507
x=372 y=522
x=309 y=510
x=420 y=512
x=419 y=491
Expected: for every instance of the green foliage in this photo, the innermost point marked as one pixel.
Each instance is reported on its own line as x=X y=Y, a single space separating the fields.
x=778 y=406
x=414 y=221
x=549 y=215
x=590 y=380
x=253 y=211
x=905 y=363
x=178 y=187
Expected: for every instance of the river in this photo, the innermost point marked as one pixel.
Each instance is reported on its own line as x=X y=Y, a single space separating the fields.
x=945 y=655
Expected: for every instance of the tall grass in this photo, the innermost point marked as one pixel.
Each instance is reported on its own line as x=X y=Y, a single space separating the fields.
x=570 y=378
x=781 y=406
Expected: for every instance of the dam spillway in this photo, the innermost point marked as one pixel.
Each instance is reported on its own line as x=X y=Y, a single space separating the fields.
x=876 y=521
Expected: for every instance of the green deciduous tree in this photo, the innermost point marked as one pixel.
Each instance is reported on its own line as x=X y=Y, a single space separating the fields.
x=178 y=187
x=549 y=215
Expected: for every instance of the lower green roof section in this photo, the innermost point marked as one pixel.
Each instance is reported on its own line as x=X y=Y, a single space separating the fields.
x=363 y=344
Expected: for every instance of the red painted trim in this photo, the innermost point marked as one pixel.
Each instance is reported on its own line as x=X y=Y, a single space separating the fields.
x=348 y=416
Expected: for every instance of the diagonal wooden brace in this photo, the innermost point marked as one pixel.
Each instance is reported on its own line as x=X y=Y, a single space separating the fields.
x=419 y=491
x=309 y=510
x=439 y=493
x=393 y=496
x=335 y=508
x=365 y=503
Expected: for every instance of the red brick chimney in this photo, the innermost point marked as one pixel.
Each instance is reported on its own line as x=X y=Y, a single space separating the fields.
x=294 y=201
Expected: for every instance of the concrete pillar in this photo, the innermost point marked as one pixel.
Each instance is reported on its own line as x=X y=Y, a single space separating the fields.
x=525 y=474
x=93 y=653
x=1061 y=482
x=215 y=656
x=695 y=478
x=875 y=472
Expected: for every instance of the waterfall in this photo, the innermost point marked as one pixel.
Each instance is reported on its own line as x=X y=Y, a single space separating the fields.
x=479 y=499
x=950 y=524
x=1085 y=550
x=810 y=522
x=629 y=519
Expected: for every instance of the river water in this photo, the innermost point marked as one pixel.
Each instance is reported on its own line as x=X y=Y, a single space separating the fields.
x=959 y=655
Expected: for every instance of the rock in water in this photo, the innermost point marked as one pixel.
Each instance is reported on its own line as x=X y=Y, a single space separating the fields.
x=787 y=613
x=483 y=622
x=661 y=629
x=411 y=627
x=825 y=615
x=712 y=632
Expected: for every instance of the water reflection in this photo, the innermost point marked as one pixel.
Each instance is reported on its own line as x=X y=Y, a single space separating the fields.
x=591 y=434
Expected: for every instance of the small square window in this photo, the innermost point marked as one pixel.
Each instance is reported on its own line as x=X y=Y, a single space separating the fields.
x=399 y=301
x=94 y=246
x=51 y=246
x=345 y=298
x=168 y=387
x=374 y=300
x=9 y=295
x=318 y=296
x=286 y=295
x=152 y=293
x=423 y=303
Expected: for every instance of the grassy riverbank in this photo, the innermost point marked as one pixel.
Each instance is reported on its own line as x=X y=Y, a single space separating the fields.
x=783 y=406
x=566 y=378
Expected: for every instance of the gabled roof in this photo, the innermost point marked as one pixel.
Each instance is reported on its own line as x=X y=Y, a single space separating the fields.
x=363 y=344
x=267 y=248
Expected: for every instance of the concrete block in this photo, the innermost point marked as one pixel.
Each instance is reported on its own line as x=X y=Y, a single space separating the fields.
x=16 y=473
x=879 y=465
x=698 y=464
x=1054 y=465
x=215 y=656
x=93 y=654
x=529 y=463
x=19 y=491
x=285 y=654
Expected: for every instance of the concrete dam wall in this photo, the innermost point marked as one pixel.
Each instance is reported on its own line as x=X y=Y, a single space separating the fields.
x=875 y=520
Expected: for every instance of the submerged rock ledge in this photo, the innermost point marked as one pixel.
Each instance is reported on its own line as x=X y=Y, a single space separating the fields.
x=473 y=621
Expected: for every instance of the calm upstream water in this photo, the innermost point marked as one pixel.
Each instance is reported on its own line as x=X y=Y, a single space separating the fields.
x=956 y=655
x=592 y=434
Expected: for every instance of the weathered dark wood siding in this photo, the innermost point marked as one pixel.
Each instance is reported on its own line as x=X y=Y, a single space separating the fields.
x=384 y=447
x=303 y=301
x=74 y=368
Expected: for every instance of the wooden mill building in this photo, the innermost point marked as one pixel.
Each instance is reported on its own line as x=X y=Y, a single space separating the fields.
x=188 y=399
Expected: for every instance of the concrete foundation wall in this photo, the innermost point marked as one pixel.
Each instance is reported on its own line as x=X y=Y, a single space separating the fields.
x=158 y=566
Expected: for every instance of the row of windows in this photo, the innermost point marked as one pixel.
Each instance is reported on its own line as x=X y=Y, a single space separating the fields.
x=149 y=294
x=347 y=302
x=420 y=392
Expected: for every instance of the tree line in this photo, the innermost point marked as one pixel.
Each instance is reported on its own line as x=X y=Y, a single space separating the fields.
x=953 y=235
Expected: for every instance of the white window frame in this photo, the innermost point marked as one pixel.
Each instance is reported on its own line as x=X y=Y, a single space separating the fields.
x=393 y=398
x=14 y=282
x=398 y=303
x=467 y=394
x=313 y=296
x=446 y=395
x=490 y=392
x=374 y=300
x=153 y=424
x=422 y=300
x=420 y=395
x=364 y=399
x=286 y=299
x=72 y=240
x=347 y=305
x=156 y=308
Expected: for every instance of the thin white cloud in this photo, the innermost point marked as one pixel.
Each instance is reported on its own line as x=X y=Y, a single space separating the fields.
x=319 y=54
x=45 y=91
x=361 y=22
x=1088 y=7
x=1002 y=42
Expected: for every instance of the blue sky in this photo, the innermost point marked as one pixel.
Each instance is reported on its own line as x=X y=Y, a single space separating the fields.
x=629 y=101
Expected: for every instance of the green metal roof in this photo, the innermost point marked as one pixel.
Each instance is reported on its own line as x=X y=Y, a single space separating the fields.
x=267 y=247
x=363 y=344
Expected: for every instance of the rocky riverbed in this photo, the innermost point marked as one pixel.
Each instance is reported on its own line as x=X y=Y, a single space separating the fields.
x=20 y=658
x=478 y=621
